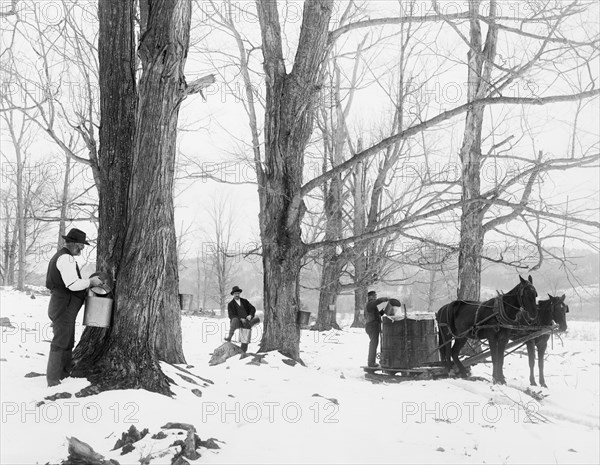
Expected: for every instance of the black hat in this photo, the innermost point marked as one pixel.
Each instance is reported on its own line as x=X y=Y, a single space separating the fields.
x=76 y=235
x=235 y=289
x=371 y=293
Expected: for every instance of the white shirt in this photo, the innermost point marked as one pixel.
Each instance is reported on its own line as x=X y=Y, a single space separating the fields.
x=66 y=265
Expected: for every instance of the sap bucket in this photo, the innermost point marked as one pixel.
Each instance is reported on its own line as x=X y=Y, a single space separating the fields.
x=98 y=308
x=303 y=318
x=185 y=301
x=245 y=334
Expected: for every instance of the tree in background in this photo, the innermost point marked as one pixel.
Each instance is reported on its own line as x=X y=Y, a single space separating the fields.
x=218 y=251
x=490 y=75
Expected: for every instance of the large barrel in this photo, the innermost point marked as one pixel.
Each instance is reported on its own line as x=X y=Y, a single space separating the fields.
x=409 y=342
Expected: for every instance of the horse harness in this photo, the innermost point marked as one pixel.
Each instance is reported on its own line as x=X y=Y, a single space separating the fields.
x=504 y=321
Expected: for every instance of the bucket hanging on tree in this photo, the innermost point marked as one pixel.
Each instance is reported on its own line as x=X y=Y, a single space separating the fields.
x=98 y=307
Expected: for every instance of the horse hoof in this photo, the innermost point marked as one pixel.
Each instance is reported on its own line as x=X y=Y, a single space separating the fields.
x=533 y=383
x=544 y=385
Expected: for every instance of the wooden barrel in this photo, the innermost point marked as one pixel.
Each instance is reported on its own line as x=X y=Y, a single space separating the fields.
x=409 y=342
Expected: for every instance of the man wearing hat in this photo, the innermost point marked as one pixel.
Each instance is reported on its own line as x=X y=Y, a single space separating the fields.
x=68 y=294
x=241 y=315
x=373 y=325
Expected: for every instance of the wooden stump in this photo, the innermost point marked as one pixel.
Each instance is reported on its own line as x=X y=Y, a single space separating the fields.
x=222 y=353
x=81 y=453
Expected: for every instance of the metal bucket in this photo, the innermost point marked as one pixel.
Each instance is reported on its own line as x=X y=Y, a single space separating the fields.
x=98 y=310
x=185 y=301
x=245 y=334
x=303 y=318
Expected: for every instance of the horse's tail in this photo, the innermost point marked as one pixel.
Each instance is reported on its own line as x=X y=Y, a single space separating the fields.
x=445 y=320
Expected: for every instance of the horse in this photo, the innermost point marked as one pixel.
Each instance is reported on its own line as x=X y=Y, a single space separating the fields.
x=492 y=320
x=550 y=311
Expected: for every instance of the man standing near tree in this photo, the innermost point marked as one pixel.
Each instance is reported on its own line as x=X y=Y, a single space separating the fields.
x=373 y=325
x=68 y=294
x=241 y=315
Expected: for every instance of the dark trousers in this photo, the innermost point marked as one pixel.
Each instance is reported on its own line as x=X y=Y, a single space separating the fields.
x=236 y=323
x=62 y=310
x=373 y=329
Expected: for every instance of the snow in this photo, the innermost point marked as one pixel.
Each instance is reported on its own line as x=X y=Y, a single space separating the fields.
x=324 y=412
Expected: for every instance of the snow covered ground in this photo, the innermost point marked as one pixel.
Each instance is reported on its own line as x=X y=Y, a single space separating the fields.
x=325 y=412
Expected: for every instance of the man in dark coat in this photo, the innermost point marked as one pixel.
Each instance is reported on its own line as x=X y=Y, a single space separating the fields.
x=241 y=315
x=68 y=294
x=373 y=325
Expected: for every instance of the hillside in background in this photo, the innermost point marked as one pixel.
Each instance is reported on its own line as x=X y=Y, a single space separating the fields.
x=416 y=288
x=419 y=291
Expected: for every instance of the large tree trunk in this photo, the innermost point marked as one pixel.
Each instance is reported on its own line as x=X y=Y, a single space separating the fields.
x=332 y=261
x=289 y=111
x=330 y=288
x=147 y=319
x=471 y=224
x=471 y=227
x=360 y=258
x=360 y=302
x=64 y=203
x=118 y=103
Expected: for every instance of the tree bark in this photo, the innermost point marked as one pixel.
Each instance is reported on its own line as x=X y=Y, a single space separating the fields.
x=118 y=103
x=289 y=112
x=20 y=220
x=360 y=258
x=147 y=319
x=10 y=247
x=332 y=261
x=64 y=204
x=471 y=223
x=150 y=242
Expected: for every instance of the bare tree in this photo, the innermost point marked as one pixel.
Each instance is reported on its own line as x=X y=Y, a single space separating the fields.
x=217 y=250
x=490 y=75
x=18 y=129
x=289 y=114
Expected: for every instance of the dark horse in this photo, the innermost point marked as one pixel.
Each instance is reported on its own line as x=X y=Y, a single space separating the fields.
x=550 y=311
x=493 y=320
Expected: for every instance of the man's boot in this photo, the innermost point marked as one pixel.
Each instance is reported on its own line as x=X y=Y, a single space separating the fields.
x=231 y=331
x=233 y=325
x=244 y=346
x=54 y=369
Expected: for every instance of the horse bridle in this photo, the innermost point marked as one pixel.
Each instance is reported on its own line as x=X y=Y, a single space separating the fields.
x=522 y=312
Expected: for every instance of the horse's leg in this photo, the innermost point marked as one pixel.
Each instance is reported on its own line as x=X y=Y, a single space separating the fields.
x=458 y=345
x=493 y=342
x=502 y=340
x=531 y=357
x=541 y=352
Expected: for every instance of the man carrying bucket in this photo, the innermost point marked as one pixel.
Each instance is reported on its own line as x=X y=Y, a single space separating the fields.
x=373 y=325
x=241 y=315
x=68 y=293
